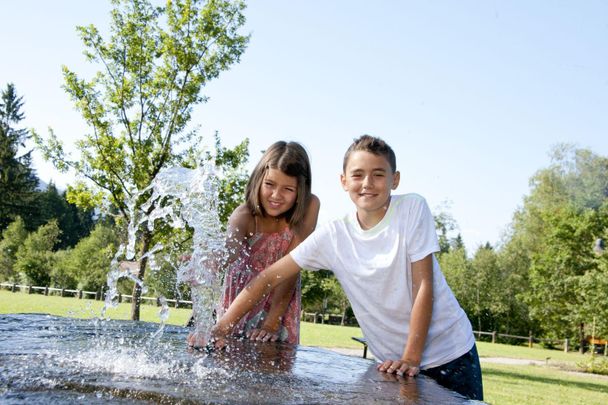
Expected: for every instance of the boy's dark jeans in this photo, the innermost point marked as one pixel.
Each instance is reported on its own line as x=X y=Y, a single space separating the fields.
x=462 y=375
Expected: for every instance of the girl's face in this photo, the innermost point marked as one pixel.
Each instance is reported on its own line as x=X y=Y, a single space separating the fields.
x=278 y=192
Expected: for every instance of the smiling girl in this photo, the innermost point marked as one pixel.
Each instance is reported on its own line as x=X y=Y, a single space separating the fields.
x=280 y=211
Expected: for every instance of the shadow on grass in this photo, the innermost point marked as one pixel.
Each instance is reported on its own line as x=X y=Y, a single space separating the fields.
x=599 y=386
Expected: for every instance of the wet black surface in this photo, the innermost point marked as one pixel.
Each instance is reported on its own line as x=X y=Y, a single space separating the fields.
x=47 y=359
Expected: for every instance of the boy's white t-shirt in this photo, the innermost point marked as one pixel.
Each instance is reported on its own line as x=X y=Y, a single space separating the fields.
x=374 y=268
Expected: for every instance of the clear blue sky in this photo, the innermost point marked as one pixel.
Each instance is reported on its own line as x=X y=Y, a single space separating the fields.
x=472 y=95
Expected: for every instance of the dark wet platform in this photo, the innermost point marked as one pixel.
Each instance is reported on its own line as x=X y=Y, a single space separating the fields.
x=48 y=359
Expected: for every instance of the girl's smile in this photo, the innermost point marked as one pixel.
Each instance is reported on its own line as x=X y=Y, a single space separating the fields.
x=278 y=192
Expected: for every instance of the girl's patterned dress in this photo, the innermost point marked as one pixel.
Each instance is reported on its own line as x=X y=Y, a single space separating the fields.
x=263 y=250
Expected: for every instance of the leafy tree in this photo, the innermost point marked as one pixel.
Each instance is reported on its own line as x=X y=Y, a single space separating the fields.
x=139 y=106
x=457 y=242
x=335 y=295
x=87 y=264
x=549 y=245
x=12 y=237
x=313 y=291
x=17 y=179
x=558 y=271
x=514 y=264
x=489 y=302
x=458 y=273
x=74 y=222
x=35 y=259
x=444 y=223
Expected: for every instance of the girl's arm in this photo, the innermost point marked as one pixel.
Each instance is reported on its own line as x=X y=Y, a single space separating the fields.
x=240 y=228
x=282 y=294
x=422 y=311
x=247 y=299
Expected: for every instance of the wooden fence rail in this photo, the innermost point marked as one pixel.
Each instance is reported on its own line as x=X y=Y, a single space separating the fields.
x=315 y=317
x=96 y=295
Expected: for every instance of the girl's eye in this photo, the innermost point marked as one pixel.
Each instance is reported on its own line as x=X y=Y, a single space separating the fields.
x=291 y=190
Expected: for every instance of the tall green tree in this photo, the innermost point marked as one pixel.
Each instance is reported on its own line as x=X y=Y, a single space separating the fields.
x=35 y=257
x=18 y=181
x=86 y=265
x=12 y=237
x=138 y=107
x=549 y=248
x=445 y=224
x=74 y=222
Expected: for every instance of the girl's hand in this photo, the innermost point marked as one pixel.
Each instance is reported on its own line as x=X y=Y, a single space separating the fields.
x=262 y=335
x=399 y=367
x=216 y=340
x=196 y=340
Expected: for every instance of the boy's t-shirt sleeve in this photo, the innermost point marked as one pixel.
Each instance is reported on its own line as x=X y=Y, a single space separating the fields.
x=421 y=233
x=311 y=253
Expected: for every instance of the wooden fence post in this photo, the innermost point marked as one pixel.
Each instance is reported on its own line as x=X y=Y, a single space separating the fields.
x=530 y=341
x=119 y=297
x=29 y=289
x=14 y=287
x=79 y=294
x=176 y=302
x=493 y=336
x=46 y=290
x=566 y=345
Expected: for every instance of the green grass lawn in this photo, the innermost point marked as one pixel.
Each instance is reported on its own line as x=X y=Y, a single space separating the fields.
x=503 y=384
x=530 y=385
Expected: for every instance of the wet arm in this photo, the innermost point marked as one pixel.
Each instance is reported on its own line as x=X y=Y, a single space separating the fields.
x=422 y=309
x=420 y=320
x=284 y=269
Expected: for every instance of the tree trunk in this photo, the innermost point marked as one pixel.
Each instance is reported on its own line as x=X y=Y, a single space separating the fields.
x=136 y=300
x=582 y=338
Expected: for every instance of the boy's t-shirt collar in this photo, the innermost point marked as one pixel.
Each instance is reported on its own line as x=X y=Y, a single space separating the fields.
x=354 y=221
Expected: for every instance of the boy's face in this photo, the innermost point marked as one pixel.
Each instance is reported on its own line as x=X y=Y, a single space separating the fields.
x=368 y=179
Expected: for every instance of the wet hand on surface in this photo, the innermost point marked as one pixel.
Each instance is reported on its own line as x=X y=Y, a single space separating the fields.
x=399 y=367
x=262 y=335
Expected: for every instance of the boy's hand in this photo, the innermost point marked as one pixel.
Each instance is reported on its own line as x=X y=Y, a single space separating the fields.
x=399 y=367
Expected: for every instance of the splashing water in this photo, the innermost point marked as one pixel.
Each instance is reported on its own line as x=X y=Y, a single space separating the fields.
x=182 y=199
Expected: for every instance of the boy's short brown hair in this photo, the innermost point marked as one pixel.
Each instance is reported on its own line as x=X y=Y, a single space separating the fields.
x=371 y=144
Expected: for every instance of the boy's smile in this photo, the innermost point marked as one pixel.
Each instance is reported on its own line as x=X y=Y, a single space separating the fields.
x=368 y=179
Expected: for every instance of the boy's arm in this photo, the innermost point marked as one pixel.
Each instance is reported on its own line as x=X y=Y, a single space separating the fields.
x=422 y=311
x=281 y=271
x=281 y=297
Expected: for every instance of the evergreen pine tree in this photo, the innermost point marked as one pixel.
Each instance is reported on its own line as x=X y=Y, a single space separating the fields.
x=17 y=178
